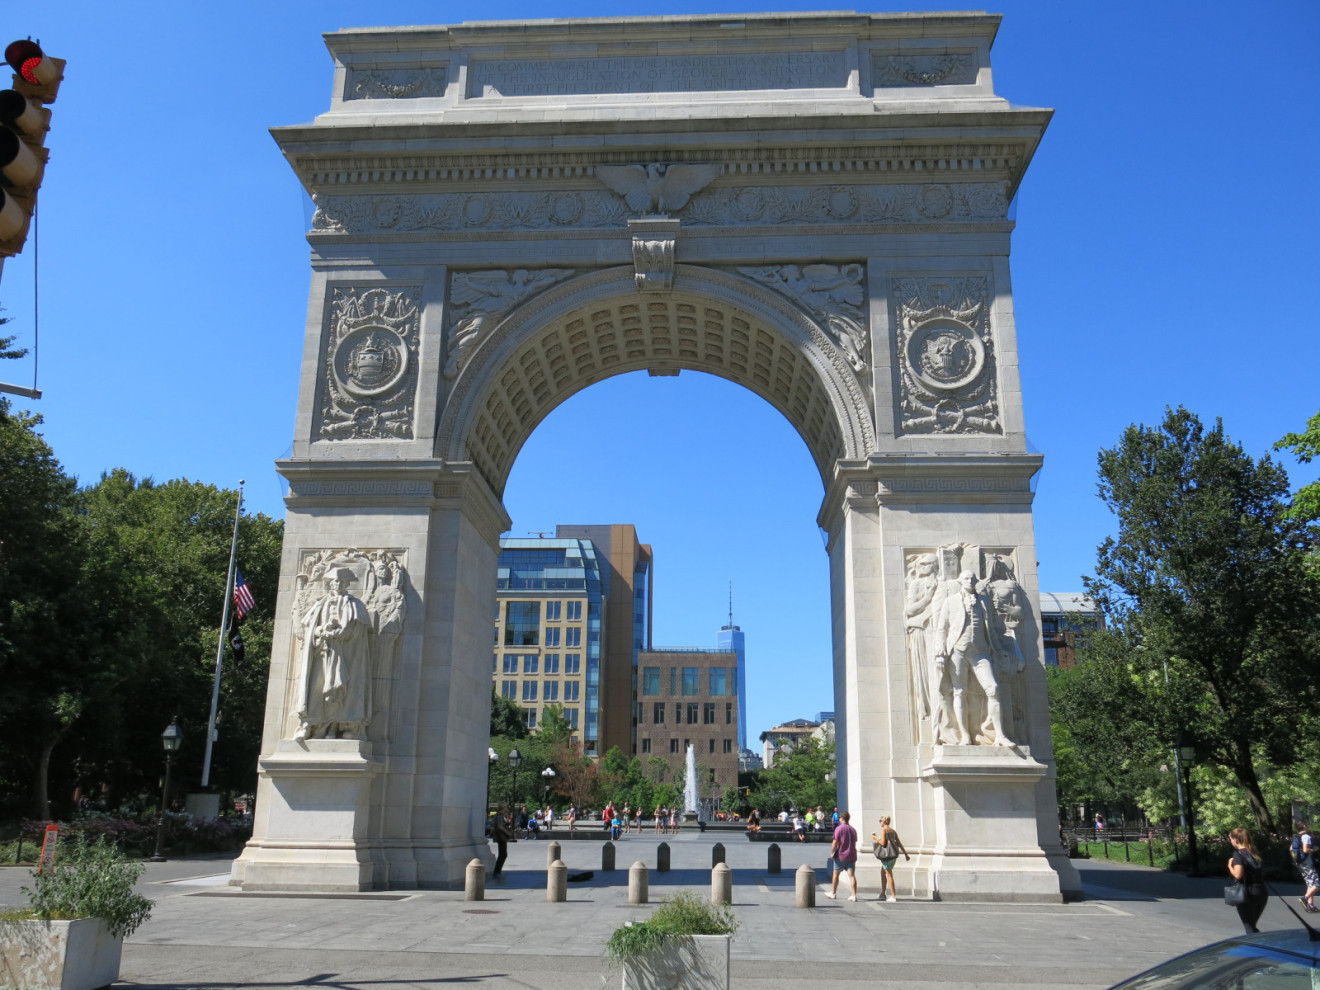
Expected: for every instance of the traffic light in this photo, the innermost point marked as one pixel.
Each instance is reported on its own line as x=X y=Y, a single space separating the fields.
x=24 y=121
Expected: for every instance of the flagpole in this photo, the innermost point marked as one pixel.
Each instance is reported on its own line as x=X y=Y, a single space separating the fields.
x=220 y=646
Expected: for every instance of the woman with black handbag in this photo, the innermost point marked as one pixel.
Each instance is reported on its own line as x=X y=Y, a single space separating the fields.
x=1245 y=866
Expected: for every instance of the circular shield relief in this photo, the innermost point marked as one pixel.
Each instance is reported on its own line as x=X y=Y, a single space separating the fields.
x=370 y=361
x=945 y=355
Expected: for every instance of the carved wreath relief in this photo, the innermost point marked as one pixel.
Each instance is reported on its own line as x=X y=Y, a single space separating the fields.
x=964 y=610
x=479 y=300
x=945 y=356
x=348 y=613
x=371 y=364
x=834 y=295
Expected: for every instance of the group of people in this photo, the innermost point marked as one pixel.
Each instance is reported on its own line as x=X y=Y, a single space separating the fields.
x=886 y=846
x=1247 y=868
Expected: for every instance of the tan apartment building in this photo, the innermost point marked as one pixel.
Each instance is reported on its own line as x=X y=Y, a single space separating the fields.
x=690 y=696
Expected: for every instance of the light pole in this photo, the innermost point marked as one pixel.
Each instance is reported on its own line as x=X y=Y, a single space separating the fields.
x=548 y=775
x=1185 y=748
x=170 y=741
x=492 y=758
x=515 y=761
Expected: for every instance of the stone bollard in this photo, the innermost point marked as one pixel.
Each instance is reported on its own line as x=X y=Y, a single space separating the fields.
x=551 y=853
x=474 y=882
x=607 y=855
x=662 y=858
x=717 y=854
x=637 y=883
x=556 y=882
x=806 y=887
x=721 y=884
x=773 y=861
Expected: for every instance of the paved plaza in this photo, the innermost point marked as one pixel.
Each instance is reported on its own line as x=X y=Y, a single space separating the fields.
x=203 y=934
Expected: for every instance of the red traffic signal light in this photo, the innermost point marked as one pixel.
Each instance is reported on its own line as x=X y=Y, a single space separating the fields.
x=29 y=61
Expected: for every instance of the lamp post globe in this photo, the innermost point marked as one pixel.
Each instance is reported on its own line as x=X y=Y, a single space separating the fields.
x=171 y=740
x=548 y=775
x=492 y=758
x=515 y=761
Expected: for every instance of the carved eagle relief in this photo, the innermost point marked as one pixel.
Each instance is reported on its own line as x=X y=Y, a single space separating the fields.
x=657 y=188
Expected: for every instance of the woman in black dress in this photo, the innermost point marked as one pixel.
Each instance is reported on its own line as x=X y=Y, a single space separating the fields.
x=1245 y=865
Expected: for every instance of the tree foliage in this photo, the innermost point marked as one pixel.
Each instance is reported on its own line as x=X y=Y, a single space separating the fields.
x=1305 y=447
x=1206 y=576
x=797 y=779
x=110 y=605
x=7 y=349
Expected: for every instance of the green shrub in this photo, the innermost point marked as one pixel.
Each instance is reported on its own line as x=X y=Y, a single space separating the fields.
x=91 y=880
x=683 y=914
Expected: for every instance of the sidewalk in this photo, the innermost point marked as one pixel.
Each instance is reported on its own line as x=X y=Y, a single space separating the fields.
x=204 y=934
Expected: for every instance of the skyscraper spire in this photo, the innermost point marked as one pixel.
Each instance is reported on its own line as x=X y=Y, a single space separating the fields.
x=731 y=603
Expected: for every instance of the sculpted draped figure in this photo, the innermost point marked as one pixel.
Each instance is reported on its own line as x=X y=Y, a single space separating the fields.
x=344 y=641
x=963 y=646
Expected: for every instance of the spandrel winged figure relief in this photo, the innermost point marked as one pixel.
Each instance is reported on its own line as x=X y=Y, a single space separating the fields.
x=963 y=646
x=834 y=294
x=348 y=613
x=481 y=299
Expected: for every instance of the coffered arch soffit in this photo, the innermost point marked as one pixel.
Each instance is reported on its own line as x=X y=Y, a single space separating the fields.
x=597 y=326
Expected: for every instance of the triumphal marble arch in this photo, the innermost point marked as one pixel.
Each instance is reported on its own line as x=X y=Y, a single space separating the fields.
x=814 y=206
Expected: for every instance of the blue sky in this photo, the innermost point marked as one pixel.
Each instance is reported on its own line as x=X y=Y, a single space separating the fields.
x=1166 y=253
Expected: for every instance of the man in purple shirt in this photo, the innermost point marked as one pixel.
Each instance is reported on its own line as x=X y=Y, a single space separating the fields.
x=843 y=855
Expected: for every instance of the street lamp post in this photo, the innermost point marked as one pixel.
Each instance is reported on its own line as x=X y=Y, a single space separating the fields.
x=515 y=761
x=548 y=775
x=492 y=758
x=1185 y=748
x=170 y=741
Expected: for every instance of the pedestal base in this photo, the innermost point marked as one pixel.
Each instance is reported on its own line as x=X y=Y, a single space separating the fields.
x=987 y=839
x=313 y=799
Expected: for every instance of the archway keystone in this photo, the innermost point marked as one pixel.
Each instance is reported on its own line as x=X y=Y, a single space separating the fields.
x=812 y=206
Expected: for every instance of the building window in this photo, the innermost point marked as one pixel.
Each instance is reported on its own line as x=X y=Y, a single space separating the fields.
x=530 y=662
x=691 y=680
x=673 y=745
x=708 y=713
x=572 y=715
x=673 y=680
x=658 y=712
x=650 y=680
x=552 y=611
x=718 y=682
x=1051 y=656
x=511 y=663
x=529 y=717
x=728 y=745
x=572 y=637
x=551 y=691
x=573 y=663
x=509 y=689
x=646 y=745
x=1049 y=626
x=571 y=690
x=733 y=680
x=522 y=620
x=728 y=713
x=529 y=690
x=686 y=744
x=574 y=611
x=712 y=744
x=552 y=663
x=678 y=713
x=552 y=636
x=692 y=712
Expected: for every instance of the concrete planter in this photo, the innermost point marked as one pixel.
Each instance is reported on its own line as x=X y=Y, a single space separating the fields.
x=58 y=955
x=687 y=962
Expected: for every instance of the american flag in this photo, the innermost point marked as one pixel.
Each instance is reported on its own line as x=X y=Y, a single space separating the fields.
x=243 y=600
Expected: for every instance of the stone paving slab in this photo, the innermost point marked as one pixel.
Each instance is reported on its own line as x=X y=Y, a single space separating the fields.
x=204 y=934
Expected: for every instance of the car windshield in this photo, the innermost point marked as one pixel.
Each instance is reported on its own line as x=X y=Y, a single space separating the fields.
x=1231 y=966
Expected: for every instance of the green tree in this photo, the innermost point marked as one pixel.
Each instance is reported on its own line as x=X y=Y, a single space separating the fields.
x=554 y=728
x=46 y=666
x=6 y=343
x=1305 y=447
x=797 y=779
x=1207 y=570
x=506 y=718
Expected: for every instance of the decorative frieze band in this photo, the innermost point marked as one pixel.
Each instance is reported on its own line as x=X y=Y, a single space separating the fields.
x=734 y=206
x=302 y=488
x=395 y=83
x=953 y=68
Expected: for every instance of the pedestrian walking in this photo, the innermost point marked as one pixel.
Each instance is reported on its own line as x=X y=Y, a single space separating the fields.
x=887 y=847
x=1245 y=865
x=660 y=813
x=501 y=833
x=572 y=817
x=843 y=856
x=1303 y=848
